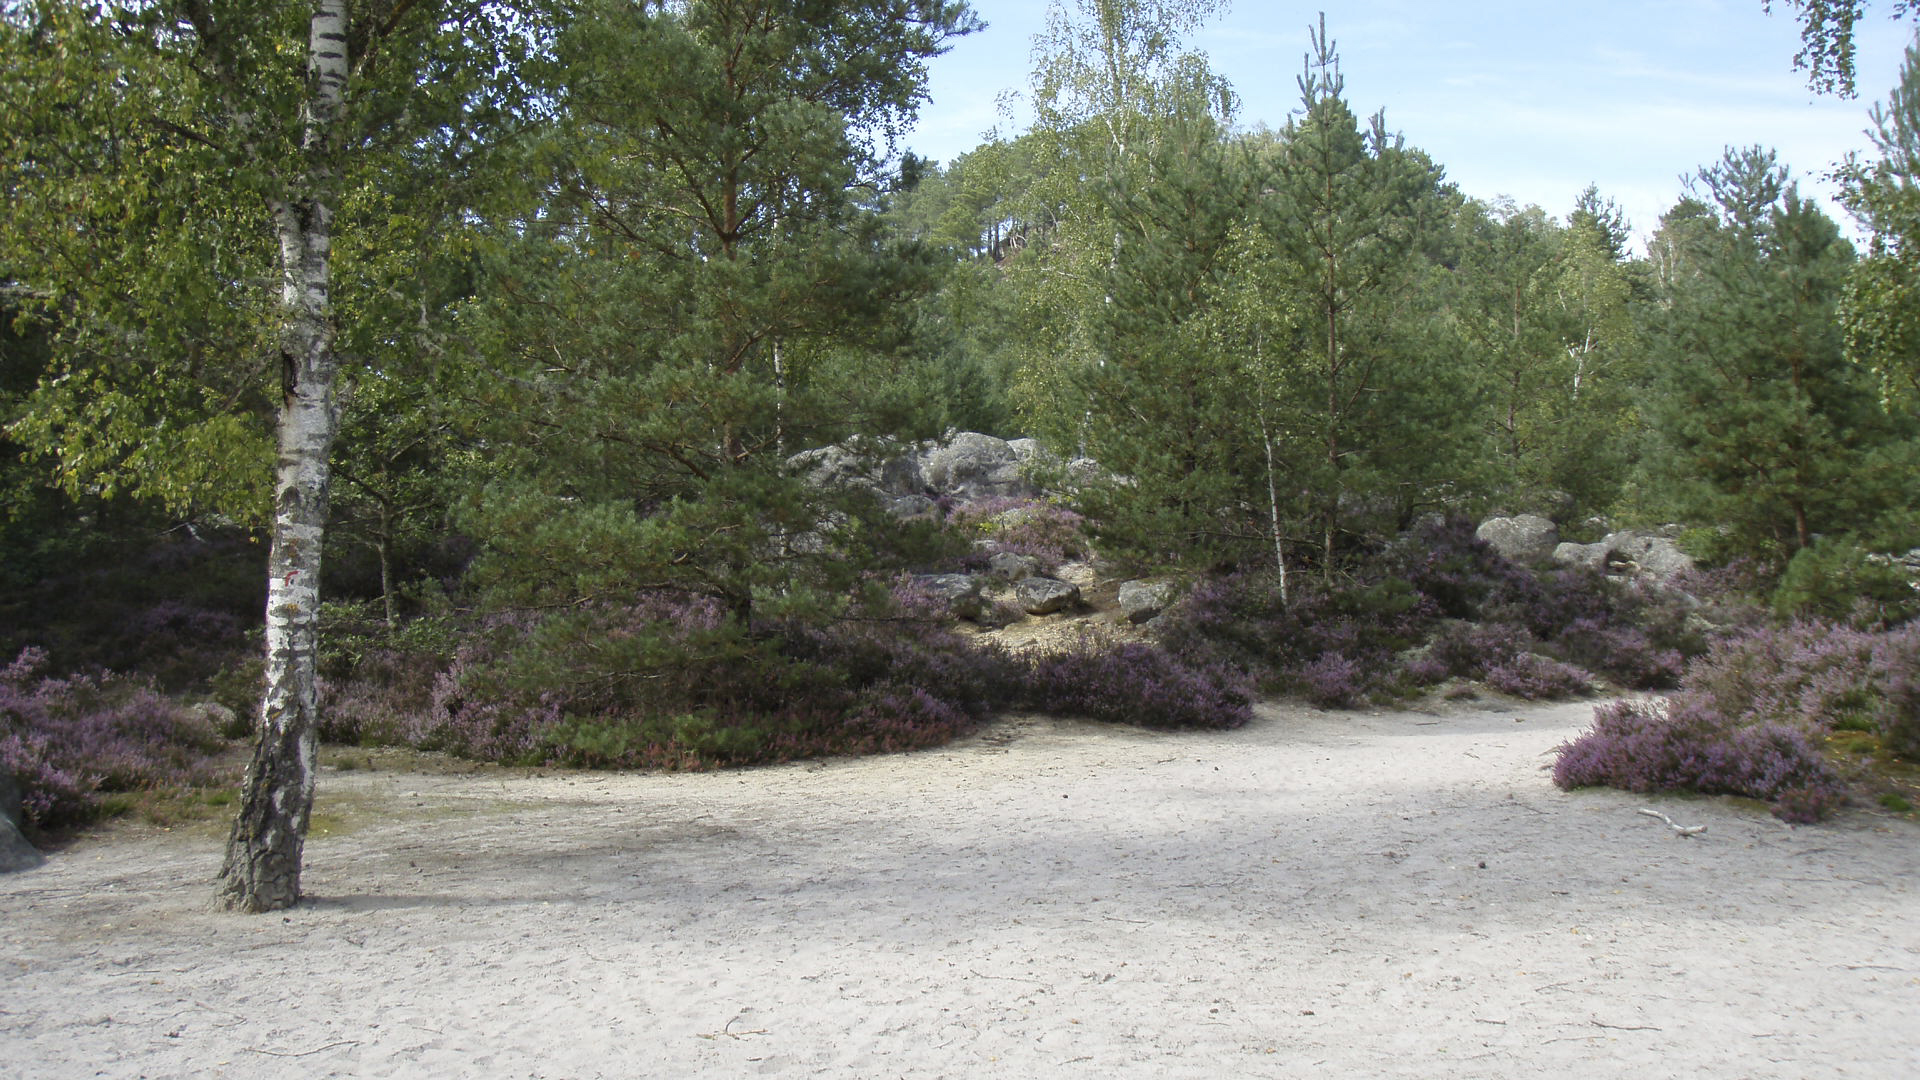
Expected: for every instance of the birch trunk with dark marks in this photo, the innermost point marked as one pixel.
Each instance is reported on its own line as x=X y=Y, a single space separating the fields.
x=262 y=870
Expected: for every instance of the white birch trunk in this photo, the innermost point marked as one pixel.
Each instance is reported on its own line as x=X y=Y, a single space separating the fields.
x=262 y=870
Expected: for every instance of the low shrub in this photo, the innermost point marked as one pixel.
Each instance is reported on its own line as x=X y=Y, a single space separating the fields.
x=1137 y=683
x=1897 y=715
x=1045 y=530
x=676 y=681
x=1535 y=677
x=1343 y=641
x=1812 y=675
x=1334 y=681
x=1683 y=745
x=1836 y=580
x=1626 y=654
x=70 y=741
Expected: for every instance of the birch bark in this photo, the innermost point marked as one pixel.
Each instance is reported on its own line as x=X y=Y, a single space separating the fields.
x=262 y=869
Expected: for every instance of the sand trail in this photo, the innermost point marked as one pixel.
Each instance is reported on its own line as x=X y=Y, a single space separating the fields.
x=1335 y=894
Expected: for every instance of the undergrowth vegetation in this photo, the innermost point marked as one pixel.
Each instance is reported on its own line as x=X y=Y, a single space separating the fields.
x=72 y=742
x=1750 y=718
x=1439 y=604
x=672 y=679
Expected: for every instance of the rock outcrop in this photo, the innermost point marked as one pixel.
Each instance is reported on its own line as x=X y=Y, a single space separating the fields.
x=1524 y=538
x=1141 y=600
x=1045 y=595
x=1652 y=558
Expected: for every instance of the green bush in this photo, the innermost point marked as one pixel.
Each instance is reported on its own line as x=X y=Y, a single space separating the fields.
x=1836 y=579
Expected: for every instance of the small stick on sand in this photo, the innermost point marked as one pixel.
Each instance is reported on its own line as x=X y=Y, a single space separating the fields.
x=1681 y=830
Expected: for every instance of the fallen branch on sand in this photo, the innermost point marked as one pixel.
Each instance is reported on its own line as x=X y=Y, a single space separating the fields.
x=1680 y=830
x=303 y=1053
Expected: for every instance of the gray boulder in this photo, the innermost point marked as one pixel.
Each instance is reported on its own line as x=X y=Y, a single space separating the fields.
x=960 y=592
x=884 y=467
x=975 y=466
x=15 y=853
x=1654 y=558
x=1012 y=566
x=1045 y=595
x=912 y=507
x=1584 y=556
x=1523 y=538
x=1141 y=600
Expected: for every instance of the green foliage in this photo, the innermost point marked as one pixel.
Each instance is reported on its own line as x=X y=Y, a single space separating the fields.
x=1836 y=579
x=1765 y=429
x=1826 y=35
x=1881 y=309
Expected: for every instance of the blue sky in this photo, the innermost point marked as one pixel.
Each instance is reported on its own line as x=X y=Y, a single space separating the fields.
x=1530 y=101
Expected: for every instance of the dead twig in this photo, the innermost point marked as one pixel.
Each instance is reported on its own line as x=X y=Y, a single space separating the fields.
x=303 y=1053
x=728 y=1032
x=1679 y=830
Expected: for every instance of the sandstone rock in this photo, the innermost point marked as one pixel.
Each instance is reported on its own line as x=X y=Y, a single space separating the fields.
x=885 y=467
x=912 y=507
x=1523 y=538
x=960 y=592
x=1141 y=600
x=1654 y=557
x=1044 y=595
x=1012 y=566
x=1588 y=556
x=975 y=466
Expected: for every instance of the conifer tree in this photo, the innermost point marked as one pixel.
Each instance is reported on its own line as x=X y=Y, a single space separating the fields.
x=697 y=291
x=1370 y=397
x=1767 y=431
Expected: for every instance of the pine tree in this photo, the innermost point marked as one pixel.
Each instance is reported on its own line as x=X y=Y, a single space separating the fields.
x=1767 y=430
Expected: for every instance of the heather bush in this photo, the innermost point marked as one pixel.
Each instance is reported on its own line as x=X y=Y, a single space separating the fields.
x=68 y=740
x=1334 y=681
x=1137 y=683
x=1897 y=718
x=1812 y=675
x=1350 y=639
x=1684 y=745
x=1469 y=650
x=173 y=608
x=1045 y=530
x=1534 y=677
x=676 y=681
x=1626 y=654
x=1459 y=574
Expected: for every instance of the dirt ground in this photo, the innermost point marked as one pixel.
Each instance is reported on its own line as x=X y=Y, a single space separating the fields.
x=1398 y=894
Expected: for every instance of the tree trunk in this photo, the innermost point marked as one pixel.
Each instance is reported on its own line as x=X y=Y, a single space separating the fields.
x=262 y=869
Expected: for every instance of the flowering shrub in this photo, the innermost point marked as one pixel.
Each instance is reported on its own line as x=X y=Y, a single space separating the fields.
x=1136 y=683
x=1625 y=653
x=1812 y=675
x=1470 y=649
x=1531 y=676
x=1348 y=640
x=1334 y=681
x=671 y=680
x=68 y=740
x=1047 y=531
x=1747 y=714
x=1683 y=745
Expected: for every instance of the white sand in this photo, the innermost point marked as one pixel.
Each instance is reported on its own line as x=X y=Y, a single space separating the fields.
x=1302 y=898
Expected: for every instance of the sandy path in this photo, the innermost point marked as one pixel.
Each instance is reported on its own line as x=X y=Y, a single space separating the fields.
x=1305 y=897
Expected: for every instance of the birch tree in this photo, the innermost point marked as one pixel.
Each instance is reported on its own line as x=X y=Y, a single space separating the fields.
x=183 y=145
